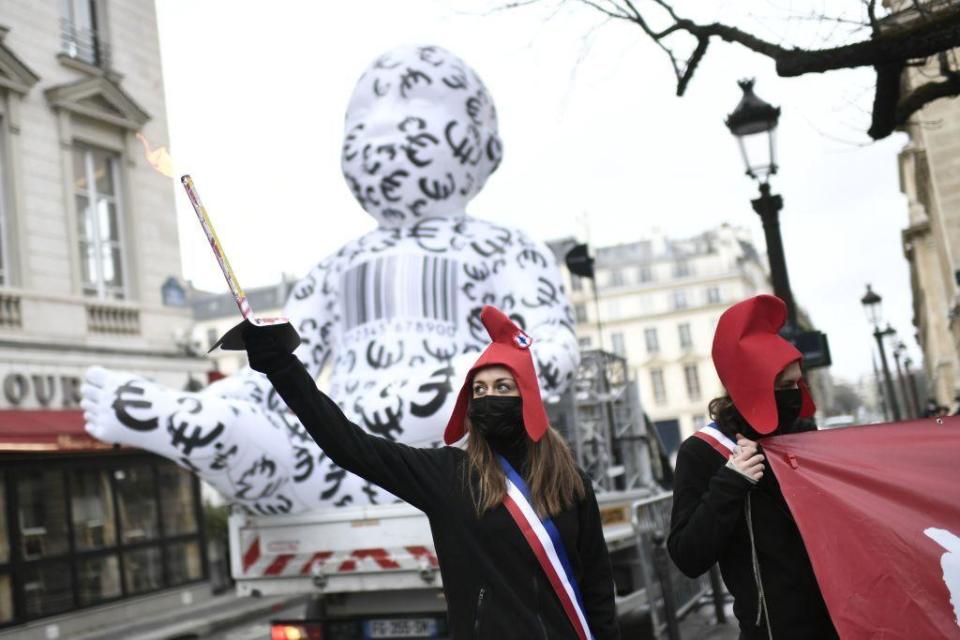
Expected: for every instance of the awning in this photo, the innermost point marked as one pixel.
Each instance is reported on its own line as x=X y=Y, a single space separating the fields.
x=42 y=430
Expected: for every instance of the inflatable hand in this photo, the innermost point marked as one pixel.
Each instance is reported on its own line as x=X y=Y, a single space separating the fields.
x=261 y=459
x=950 y=562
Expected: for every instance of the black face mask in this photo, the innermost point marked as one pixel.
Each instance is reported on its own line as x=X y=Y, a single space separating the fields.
x=499 y=419
x=789 y=403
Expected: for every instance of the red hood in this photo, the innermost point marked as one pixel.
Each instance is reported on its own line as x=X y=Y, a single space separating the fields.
x=749 y=354
x=511 y=349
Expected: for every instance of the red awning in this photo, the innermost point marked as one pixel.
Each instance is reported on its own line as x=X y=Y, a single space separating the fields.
x=43 y=430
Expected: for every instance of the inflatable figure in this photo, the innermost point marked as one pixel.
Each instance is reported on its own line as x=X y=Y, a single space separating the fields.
x=395 y=313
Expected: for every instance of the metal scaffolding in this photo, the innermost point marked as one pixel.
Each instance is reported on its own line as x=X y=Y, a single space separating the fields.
x=601 y=418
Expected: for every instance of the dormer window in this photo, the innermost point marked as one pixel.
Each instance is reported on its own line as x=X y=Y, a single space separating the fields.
x=82 y=33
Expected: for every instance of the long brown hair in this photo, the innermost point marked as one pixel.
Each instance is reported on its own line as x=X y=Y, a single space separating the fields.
x=554 y=481
x=728 y=418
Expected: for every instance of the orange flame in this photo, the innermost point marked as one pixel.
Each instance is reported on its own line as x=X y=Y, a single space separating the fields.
x=158 y=158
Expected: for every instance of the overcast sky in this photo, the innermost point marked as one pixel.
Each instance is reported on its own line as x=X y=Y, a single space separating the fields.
x=591 y=127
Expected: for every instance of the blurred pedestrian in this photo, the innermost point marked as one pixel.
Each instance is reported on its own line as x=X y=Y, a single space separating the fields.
x=726 y=508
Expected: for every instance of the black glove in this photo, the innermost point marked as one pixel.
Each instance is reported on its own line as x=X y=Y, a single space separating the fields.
x=268 y=348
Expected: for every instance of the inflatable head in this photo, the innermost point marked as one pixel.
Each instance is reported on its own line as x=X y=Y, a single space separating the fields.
x=420 y=138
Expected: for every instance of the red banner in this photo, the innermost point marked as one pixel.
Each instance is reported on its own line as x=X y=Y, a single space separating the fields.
x=879 y=510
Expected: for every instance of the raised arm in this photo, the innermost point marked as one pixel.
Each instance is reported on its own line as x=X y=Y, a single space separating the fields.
x=313 y=310
x=422 y=477
x=235 y=434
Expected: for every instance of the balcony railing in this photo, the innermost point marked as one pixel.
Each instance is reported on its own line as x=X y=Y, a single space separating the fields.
x=84 y=44
x=10 y=314
x=102 y=318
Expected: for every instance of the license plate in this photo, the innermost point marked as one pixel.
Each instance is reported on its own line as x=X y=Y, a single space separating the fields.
x=401 y=628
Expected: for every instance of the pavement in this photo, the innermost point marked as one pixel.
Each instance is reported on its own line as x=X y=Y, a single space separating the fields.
x=199 y=621
x=701 y=624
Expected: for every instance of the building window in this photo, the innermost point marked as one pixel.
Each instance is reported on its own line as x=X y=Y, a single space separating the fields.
x=692 y=378
x=143 y=570
x=699 y=420
x=619 y=347
x=81 y=36
x=580 y=313
x=212 y=337
x=616 y=278
x=686 y=340
x=585 y=342
x=681 y=269
x=176 y=491
x=576 y=282
x=679 y=299
x=98 y=579
x=184 y=562
x=659 y=389
x=46 y=589
x=4 y=224
x=91 y=509
x=713 y=295
x=651 y=340
x=645 y=274
x=135 y=529
x=41 y=515
x=138 y=517
x=6 y=598
x=96 y=194
x=613 y=309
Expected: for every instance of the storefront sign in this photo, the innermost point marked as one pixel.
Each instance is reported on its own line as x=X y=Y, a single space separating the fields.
x=39 y=390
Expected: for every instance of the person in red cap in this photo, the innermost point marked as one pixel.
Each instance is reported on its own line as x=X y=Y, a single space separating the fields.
x=726 y=510
x=504 y=577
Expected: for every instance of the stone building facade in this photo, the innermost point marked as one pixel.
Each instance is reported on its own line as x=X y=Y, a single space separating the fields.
x=89 y=272
x=659 y=301
x=930 y=179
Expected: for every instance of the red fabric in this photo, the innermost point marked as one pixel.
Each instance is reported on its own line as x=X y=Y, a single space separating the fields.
x=867 y=501
x=45 y=430
x=511 y=349
x=749 y=354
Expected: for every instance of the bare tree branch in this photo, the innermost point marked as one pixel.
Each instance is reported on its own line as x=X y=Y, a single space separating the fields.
x=926 y=28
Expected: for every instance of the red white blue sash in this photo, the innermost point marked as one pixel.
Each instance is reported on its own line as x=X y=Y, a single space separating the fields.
x=715 y=438
x=544 y=539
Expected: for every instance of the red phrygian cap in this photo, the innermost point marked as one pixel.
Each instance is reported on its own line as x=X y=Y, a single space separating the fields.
x=749 y=354
x=511 y=349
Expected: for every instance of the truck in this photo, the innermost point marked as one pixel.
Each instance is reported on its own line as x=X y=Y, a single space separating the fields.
x=372 y=572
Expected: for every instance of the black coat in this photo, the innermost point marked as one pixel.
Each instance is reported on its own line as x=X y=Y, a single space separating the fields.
x=709 y=525
x=494 y=586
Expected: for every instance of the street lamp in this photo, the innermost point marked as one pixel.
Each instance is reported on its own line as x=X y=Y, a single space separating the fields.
x=907 y=363
x=898 y=350
x=754 y=124
x=872 y=302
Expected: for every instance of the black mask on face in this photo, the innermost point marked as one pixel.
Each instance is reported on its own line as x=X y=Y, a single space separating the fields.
x=499 y=419
x=789 y=403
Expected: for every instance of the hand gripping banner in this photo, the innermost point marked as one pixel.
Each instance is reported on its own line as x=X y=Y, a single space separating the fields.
x=879 y=510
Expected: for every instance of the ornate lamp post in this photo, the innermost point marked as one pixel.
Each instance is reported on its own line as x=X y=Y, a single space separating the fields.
x=754 y=124
x=898 y=350
x=871 y=302
x=907 y=363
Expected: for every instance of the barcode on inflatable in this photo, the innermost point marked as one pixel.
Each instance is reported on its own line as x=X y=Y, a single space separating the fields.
x=401 y=286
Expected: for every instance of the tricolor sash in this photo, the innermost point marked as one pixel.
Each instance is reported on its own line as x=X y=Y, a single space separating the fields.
x=715 y=438
x=544 y=539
